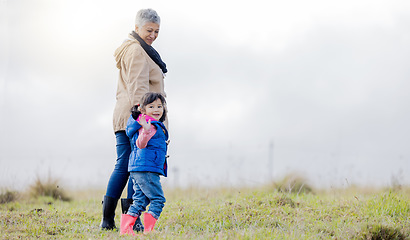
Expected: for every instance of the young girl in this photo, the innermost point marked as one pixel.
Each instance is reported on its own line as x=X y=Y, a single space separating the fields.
x=147 y=161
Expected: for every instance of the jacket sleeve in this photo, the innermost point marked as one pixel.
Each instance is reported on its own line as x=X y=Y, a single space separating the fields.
x=145 y=136
x=138 y=75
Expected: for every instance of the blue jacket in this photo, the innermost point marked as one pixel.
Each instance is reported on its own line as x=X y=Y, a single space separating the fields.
x=152 y=158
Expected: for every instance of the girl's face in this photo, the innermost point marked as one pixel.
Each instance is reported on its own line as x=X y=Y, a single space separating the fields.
x=154 y=109
x=148 y=32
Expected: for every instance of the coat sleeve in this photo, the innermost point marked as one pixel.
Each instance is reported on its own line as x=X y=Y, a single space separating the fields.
x=145 y=136
x=138 y=75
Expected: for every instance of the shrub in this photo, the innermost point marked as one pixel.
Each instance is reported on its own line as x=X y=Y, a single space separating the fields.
x=293 y=184
x=49 y=188
x=283 y=200
x=379 y=232
x=8 y=196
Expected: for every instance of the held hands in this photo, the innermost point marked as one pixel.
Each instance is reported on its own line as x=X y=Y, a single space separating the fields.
x=143 y=122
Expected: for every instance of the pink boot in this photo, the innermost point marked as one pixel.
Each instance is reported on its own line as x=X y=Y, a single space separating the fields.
x=126 y=224
x=149 y=222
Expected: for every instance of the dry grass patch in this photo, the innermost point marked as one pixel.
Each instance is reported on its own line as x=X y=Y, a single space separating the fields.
x=49 y=188
x=8 y=196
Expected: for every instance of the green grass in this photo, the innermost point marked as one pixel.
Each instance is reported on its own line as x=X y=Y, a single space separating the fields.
x=259 y=213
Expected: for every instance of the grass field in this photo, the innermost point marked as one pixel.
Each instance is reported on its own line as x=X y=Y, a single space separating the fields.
x=267 y=212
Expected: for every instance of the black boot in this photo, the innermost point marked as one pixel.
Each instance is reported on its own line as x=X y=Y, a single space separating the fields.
x=125 y=204
x=109 y=205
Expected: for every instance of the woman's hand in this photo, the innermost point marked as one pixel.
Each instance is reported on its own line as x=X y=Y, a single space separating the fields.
x=143 y=122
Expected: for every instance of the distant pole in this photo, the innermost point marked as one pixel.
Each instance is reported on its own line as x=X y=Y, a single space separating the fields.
x=270 y=163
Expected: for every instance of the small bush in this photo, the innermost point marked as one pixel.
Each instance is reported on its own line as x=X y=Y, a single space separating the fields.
x=49 y=188
x=293 y=184
x=379 y=232
x=283 y=200
x=8 y=196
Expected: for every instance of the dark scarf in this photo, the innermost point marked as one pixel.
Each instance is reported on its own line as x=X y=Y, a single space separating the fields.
x=152 y=53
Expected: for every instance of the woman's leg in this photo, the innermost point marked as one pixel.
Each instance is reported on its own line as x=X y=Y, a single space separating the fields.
x=119 y=176
x=117 y=181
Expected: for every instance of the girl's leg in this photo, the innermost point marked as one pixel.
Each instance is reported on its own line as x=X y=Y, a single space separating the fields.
x=140 y=201
x=150 y=187
x=130 y=189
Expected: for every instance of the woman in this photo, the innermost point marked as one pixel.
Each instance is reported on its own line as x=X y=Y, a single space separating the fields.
x=141 y=70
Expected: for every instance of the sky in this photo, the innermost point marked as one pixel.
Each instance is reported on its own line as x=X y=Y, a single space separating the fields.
x=256 y=90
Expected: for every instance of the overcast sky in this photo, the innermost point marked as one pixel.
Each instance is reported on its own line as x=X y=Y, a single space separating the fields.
x=326 y=83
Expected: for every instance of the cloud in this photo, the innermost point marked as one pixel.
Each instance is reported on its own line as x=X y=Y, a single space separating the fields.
x=326 y=83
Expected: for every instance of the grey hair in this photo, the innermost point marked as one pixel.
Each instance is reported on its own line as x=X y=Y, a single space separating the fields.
x=147 y=15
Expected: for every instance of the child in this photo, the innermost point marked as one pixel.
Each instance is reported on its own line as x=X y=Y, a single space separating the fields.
x=147 y=162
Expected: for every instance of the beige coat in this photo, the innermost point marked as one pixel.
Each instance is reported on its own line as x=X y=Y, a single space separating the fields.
x=138 y=75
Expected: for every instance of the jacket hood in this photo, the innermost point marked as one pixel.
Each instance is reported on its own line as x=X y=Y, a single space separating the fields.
x=121 y=50
x=132 y=127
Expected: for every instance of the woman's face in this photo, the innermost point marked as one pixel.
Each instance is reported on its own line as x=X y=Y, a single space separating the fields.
x=148 y=32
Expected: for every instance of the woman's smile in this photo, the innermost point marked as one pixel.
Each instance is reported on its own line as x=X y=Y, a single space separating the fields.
x=148 y=32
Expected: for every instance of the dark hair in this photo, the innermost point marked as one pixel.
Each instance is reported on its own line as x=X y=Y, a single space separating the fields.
x=148 y=98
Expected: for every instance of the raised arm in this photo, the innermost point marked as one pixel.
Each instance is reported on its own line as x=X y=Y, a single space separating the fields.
x=145 y=133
